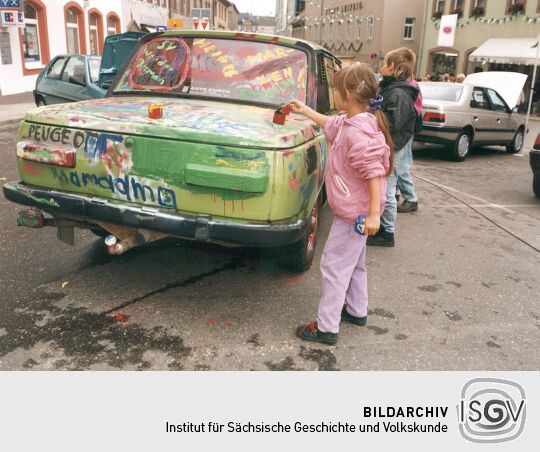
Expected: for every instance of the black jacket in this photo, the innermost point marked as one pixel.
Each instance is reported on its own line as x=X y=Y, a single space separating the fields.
x=399 y=97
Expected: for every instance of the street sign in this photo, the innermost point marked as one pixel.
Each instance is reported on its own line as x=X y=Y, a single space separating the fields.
x=10 y=4
x=12 y=18
x=201 y=18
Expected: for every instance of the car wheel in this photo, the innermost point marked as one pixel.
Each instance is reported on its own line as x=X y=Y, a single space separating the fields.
x=517 y=142
x=461 y=147
x=536 y=185
x=298 y=256
x=40 y=102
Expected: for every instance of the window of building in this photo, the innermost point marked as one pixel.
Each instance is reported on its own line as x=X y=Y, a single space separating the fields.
x=33 y=38
x=95 y=21
x=359 y=28
x=349 y=29
x=478 y=8
x=438 y=7
x=113 y=24
x=408 y=28
x=516 y=6
x=75 y=34
x=30 y=35
x=370 y=26
x=457 y=7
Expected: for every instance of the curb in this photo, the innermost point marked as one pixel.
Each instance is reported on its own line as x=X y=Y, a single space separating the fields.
x=11 y=122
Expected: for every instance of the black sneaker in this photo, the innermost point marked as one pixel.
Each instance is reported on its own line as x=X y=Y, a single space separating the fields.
x=311 y=333
x=360 y=321
x=397 y=197
x=382 y=238
x=407 y=206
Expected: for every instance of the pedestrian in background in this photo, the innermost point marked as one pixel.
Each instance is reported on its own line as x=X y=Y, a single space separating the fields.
x=460 y=78
x=360 y=160
x=399 y=97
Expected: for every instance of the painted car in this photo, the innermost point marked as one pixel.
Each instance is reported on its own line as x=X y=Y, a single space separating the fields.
x=480 y=111
x=185 y=144
x=73 y=78
x=534 y=158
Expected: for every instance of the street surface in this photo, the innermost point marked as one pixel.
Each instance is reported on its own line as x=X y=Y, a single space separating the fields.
x=460 y=291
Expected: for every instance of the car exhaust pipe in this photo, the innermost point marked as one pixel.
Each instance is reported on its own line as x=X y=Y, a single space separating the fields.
x=115 y=246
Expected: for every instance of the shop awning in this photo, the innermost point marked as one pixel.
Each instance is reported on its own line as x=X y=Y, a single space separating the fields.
x=506 y=51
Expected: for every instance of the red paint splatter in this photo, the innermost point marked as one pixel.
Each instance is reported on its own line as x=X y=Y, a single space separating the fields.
x=293 y=185
x=211 y=322
x=228 y=325
x=30 y=169
x=295 y=279
x=287 y=153
x=118 y=318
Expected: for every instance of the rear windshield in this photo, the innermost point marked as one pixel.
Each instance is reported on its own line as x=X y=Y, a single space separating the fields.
x=220 y=68
x=93 y=65
x=441 y=91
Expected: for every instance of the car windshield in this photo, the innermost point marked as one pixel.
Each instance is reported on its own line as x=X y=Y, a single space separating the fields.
x=441 y=91
x=219 y=68
x=93 y=65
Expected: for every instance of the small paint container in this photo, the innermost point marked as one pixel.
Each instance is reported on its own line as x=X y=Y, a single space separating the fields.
x=155 y=111
x=279 y=117
x=360 y=224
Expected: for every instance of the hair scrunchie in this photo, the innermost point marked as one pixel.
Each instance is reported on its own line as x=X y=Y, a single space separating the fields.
x=376 y=104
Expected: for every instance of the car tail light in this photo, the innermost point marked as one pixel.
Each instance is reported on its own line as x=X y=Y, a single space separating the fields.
x=434 y=117
x=537 y=142
x=43 y=153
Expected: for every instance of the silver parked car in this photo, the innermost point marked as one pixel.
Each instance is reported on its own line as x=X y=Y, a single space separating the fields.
x=480 y=111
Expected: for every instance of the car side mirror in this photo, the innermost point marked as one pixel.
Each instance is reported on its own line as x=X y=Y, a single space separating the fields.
x=514 y=110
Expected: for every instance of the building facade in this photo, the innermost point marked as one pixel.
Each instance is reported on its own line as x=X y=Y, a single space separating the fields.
x=224 y=14
x=364 y=30
x=145 y=15
x=53 y=27
x=281 y=17
x=478 y=21
x=256 y=24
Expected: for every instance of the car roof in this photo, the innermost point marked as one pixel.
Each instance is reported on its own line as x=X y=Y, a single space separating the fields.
x=262 y=37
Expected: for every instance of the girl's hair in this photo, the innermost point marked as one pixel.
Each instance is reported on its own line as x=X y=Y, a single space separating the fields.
x=403 y=60
x=358 y=81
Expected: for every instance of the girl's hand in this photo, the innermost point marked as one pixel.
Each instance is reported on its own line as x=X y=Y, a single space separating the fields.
x=298 y=107
x=372 y=225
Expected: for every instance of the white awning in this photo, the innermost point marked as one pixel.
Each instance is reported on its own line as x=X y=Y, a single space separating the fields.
x=506 y=51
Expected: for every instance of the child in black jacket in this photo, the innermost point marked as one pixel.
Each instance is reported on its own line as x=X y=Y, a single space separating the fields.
x=399 y=97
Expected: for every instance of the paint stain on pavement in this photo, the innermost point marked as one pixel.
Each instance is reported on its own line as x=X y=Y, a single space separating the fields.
x=324 y=359
x=400 y=337
x=377 y=330
x=88 y=338
x=455 y=284
x=381 y=313
x=286 y=364
x=255 y=340
x=432 y=288
x=453 y=316
x=492 y=344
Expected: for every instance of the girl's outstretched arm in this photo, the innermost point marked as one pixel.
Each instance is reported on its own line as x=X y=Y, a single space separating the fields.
x=299 y=107
x=373 y=221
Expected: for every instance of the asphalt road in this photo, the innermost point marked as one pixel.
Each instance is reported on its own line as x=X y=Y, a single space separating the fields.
x=459 y=291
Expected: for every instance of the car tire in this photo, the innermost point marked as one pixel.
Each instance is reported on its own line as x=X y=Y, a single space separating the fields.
x=40 y=102
x=298 y=256
x=517 y=142
x=536 y=185
x=461 y=147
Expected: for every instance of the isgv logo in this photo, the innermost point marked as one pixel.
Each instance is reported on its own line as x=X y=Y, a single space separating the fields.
x=491 y=410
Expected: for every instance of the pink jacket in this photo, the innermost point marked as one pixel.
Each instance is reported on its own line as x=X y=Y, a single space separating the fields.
x=359 y=152
x=418 y=103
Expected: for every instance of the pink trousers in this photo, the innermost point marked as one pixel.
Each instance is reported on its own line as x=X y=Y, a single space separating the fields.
x=344 y=276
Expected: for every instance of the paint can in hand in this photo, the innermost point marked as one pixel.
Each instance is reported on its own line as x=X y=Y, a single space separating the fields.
x=360 y=224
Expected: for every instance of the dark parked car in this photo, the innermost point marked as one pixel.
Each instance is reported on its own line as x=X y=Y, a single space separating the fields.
x=72 y=78
x=535 y=166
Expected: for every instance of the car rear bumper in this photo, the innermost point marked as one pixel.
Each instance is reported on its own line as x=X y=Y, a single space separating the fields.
x=438 y=134
x=87 y=209
x=534 y=158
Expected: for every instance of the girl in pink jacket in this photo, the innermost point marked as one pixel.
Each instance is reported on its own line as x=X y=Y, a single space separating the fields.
x=360 y=159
